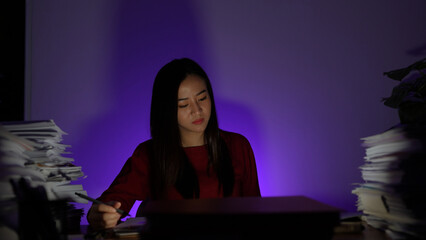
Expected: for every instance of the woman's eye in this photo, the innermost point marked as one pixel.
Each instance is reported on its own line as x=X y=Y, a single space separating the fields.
x=203 y=98
x=183 y=106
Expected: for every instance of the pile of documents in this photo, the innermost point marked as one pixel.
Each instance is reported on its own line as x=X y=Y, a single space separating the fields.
x=33 y=150
x=393 y=196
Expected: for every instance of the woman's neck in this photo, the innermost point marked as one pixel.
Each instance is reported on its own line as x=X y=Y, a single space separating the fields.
x=192 y=140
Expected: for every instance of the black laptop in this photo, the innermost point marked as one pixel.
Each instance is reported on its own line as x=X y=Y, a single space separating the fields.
x=295 y=217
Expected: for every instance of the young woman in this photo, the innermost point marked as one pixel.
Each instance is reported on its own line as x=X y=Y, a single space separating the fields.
x=188 y=156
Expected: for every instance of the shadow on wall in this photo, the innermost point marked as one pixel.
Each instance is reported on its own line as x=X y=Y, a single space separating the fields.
x=147 y=35
x=230 y=114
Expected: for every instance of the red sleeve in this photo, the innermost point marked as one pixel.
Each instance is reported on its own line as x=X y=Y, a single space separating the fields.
x=132 y=183
x=250 y=186
x=245 y=170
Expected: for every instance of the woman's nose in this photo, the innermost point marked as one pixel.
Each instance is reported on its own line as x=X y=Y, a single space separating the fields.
x=196 y=108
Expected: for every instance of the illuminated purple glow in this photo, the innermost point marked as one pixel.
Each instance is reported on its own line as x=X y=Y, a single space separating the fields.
x=302 y=82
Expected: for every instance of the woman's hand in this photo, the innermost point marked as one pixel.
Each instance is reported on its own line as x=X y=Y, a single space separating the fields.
x=101 y=216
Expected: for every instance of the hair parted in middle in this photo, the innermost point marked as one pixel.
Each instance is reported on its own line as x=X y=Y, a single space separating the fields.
x=169 y=165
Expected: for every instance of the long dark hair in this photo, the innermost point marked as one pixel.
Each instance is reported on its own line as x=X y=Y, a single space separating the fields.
x=169 y=164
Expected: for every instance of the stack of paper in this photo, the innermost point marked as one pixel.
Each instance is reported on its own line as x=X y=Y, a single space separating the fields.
x=393 y=196
x=33 y=150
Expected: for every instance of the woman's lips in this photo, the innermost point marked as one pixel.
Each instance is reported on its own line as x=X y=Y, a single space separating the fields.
x=198 y=121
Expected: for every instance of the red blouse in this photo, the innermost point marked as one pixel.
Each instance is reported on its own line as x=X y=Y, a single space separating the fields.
x=132 y=183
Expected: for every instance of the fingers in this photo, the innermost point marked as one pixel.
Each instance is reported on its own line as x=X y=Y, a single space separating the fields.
x=102 y=216
x=106 y=208
x=109 y=220
x=116 y=205
x=102 y=220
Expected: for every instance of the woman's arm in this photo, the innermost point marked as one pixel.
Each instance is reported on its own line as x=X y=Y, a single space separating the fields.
x=131 y=184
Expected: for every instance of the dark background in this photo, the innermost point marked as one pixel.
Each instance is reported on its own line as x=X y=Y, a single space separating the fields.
x=12 y=60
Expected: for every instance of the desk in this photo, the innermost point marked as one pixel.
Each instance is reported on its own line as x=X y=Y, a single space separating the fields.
x=294 y=217
x=368 y=233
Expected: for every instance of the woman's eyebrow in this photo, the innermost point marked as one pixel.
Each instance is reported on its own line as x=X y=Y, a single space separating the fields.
x=203 y=91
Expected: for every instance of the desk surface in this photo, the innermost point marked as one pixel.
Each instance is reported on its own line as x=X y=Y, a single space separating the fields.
x=238 y=218
x=368 y=233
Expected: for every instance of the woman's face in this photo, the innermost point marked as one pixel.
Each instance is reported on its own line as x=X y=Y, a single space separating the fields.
x=194 y=107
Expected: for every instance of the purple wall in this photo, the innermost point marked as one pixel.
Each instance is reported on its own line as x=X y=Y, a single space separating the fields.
x=302 y=80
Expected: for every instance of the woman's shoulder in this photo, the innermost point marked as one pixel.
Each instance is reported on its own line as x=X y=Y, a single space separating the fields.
x=143 y=148
x=233 y=138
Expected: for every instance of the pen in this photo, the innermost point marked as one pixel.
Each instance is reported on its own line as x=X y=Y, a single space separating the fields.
x=99 y=202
